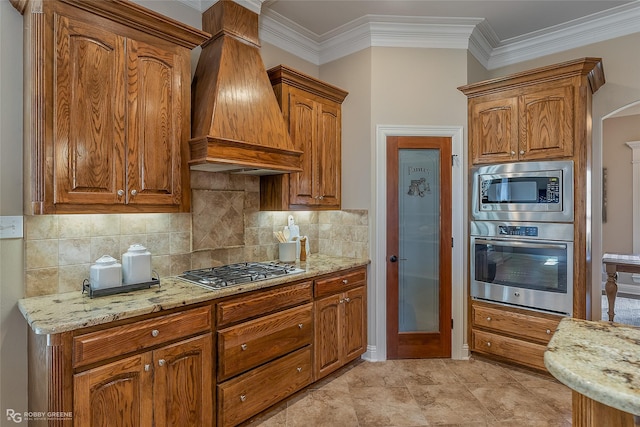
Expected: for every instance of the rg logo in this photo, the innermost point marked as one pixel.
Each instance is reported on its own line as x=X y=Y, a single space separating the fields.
x=14 y=416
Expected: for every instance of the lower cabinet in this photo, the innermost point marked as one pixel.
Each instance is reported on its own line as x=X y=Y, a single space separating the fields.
x=248 y=394
x=267 y=356
x=169 y=386
x=340 y=320
x=516 y=335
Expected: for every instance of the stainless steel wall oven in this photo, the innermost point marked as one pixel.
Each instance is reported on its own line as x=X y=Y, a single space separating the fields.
x=524 y=264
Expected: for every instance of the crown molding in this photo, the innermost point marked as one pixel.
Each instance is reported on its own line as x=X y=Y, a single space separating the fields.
x=617 y=22
x=474 y=34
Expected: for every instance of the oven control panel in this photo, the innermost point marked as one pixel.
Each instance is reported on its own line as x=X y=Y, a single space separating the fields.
x=512 y=230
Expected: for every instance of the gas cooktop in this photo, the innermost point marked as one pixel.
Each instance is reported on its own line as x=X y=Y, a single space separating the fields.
x=236 y=274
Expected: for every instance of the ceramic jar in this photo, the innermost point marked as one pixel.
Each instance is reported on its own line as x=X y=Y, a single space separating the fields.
x=136 y=265
x=105 y=273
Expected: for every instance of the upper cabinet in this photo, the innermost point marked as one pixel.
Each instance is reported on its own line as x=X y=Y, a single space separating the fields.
x=313 y=111
x=532 y=115
x=107 y=121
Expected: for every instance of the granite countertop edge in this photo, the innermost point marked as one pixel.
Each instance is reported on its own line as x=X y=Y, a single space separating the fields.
x=599 y=360
x=64 y=312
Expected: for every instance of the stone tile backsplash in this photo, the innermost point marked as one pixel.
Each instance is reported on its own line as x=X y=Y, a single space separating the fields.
x=59 y=249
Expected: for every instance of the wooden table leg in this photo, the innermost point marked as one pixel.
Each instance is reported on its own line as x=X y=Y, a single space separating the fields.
x=611 y=289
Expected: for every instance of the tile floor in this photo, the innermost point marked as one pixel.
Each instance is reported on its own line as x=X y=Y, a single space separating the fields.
x=426 y=392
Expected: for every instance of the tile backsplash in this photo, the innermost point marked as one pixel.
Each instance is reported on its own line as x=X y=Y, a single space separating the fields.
x=226 y=226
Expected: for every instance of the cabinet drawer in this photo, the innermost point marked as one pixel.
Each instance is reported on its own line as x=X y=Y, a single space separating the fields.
x=119 y=340
x=526 y=353
x=539 y=328
x=253 y=343
x=248 y=394
x=269 y=301
x=341 y=282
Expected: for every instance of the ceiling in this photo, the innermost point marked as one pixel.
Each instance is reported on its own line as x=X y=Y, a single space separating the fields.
x=496 y=32
x=508 y=19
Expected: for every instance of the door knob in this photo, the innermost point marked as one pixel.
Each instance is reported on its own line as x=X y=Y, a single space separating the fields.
x=393 y=258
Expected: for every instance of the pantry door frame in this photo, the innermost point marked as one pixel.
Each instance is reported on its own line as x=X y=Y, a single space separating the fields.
x=378 y=313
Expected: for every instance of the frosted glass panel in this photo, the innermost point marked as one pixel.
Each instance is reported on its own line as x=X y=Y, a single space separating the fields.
x=419 y=228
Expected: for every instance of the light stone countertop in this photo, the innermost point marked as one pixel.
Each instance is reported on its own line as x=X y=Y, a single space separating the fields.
x=52 y=314
x=598 y=359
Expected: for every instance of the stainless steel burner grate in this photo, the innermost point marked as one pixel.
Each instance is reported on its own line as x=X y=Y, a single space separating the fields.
x=235 y=274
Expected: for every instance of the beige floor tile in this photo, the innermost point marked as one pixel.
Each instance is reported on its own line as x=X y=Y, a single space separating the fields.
x=323 y=408
x=425 y=372
x=478 y=371
x=386 y=407
x=375 y=374
x=513 y=402
x=449 y=404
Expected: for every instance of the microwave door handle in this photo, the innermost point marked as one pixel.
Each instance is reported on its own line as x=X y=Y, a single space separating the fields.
x=515 y=243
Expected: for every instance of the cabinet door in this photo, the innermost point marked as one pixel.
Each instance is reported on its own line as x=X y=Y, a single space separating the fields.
x=355 y=323
x=328 y=335
x=89 y=103
x=546 y=123
x=303 y=125
x=118 y=394
x=328 y=153
x=183 y=384
x=154 y=100
x=493 y=129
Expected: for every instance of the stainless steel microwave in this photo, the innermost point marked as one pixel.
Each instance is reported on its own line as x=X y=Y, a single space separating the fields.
x=523 y=191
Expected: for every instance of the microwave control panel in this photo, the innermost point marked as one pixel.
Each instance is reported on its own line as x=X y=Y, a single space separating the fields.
x=511 y=230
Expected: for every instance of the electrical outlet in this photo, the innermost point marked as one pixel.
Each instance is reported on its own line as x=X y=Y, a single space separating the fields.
x=11 y=227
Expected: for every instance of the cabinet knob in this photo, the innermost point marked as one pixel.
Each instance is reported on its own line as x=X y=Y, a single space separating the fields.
x=345 y=281
x=147 y=367
x=300 y=325
x=243 y=397
x=347 y=299
x=321 y=197
x=341 y=301
x=161 y=362
x=120 y=193
x=299 y=369
x=548 y=331
x=134 y=192
x=155 y=333
x=243 y=347
x=488 y=318
x=488 y=344
x=513 y=153
x=521 y=152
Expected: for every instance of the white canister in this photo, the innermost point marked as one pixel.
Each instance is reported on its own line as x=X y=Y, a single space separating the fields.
x=105 y=273
x=136 y=265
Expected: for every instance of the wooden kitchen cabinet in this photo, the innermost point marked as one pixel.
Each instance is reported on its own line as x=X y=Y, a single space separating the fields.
x=340 y=320
x=512 y=334
x=109 y=108
x=264 y=350
x=170 y=386
x=313 y=111
x=531 y=123
x=530 y=115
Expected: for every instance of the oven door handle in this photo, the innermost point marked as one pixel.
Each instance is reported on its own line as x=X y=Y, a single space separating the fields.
x=522 y=244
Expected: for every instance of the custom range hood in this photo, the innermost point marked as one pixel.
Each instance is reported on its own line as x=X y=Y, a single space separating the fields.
x=237 y=125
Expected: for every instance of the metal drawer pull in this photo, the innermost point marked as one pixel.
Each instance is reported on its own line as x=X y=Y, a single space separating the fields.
x=147 y=367
x=243 y=397
x=243 y=347
x=521 y=152
x=300 y=325
x=155 y=333
x=345 y=281
x=120 y=193
x=161 y=362
x=548 y=331
x=134 y=192
x=488 y=344
x=488 y=319
x=341 y=301
x=347 y=299
x=299 y=369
